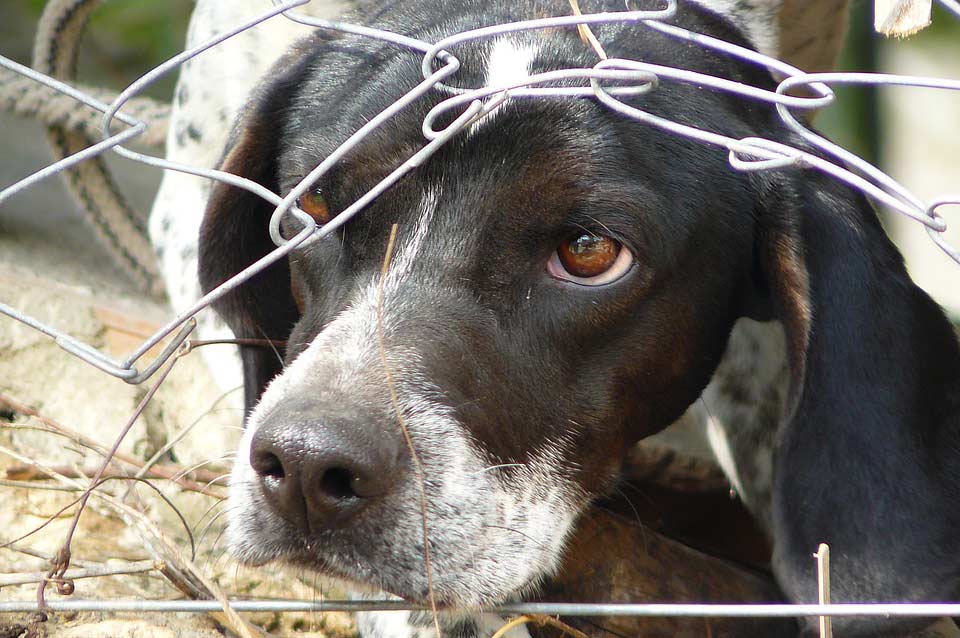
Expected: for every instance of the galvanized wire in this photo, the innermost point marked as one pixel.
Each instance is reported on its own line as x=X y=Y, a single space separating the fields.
x=707 y=610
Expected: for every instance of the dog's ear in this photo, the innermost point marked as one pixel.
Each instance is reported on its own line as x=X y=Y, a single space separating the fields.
x=869 y=449
x=234 y=232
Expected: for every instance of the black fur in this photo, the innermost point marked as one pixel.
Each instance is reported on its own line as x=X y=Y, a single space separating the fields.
x=868 y=459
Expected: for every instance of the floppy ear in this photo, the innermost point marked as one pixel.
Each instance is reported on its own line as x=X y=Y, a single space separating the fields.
x=869 y=452
x=234 y=231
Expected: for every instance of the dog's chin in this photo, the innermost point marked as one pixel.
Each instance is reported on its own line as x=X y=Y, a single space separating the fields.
x=368 y=580
x=447 y=600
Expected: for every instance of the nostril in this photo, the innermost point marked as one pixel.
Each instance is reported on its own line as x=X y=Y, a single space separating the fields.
x=267 y=465
x=317 y=473
x=338 y=483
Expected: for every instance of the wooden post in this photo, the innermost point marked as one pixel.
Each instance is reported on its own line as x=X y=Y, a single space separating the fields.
x=823 y=587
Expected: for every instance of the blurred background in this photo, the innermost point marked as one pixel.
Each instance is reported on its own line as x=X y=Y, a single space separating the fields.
x=41 y=228
x=914 y=134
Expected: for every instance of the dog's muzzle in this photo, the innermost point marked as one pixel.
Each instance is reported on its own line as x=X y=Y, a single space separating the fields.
x=325 y=475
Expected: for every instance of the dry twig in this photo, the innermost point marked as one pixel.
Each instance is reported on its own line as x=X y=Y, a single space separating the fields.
x=541 y=621
x=137 y=567
x=26 y=473
x=169 y=472
x=179 y=571
x=418 y=466
x=61 y=560
x=586 y=33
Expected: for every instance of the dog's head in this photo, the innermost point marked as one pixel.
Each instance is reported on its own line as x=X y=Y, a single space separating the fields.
x=562 y=284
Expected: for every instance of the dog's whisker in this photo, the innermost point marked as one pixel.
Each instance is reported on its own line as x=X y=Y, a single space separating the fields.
x=219 y=479
x=516 y=531
x=600 y=224
x=636 y=512
x=207 y=512
x=216 y=557
x=210 y=525
x=496 y=467
x=630 y=485
x=213 y=460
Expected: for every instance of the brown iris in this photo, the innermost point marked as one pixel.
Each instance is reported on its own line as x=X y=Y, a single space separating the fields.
x=314 y=204
x=588 y=255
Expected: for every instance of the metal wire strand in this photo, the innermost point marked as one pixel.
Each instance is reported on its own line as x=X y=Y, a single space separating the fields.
x=698 y=610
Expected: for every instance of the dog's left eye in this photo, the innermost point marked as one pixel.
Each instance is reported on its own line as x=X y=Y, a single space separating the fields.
x=590 y=259
x=314 y=204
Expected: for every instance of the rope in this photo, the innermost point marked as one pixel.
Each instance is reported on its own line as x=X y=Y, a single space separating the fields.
x=22 y=97
x=72 y=127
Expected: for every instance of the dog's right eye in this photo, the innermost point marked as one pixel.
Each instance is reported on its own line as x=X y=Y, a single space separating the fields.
x=314 y=204
x=590 y=260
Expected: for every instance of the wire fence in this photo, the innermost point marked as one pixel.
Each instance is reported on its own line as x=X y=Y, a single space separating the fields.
x=608 y=82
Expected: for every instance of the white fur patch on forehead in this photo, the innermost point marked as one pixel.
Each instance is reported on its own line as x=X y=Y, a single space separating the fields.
x=758 y=19
x=509 y=62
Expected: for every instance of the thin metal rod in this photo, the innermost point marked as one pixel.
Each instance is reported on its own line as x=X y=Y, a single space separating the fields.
x=772 y=610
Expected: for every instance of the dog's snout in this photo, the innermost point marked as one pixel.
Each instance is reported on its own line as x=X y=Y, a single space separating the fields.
x=316 y=470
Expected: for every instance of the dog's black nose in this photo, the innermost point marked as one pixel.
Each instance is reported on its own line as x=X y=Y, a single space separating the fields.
x=319 y=467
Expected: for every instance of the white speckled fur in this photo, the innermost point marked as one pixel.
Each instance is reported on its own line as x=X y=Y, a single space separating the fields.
x=758 y=19
x=410 y=625
x=411 y=244
x=745 y=402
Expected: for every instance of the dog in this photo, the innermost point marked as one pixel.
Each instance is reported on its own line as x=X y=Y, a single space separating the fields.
x=564 y=283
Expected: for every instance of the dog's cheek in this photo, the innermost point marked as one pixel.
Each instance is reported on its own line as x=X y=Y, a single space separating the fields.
x=671 y=353
x=297 y=290
x=514 y=519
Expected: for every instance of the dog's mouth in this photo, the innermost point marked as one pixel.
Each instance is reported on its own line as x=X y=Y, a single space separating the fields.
x=487 y=543
x=402 y=574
